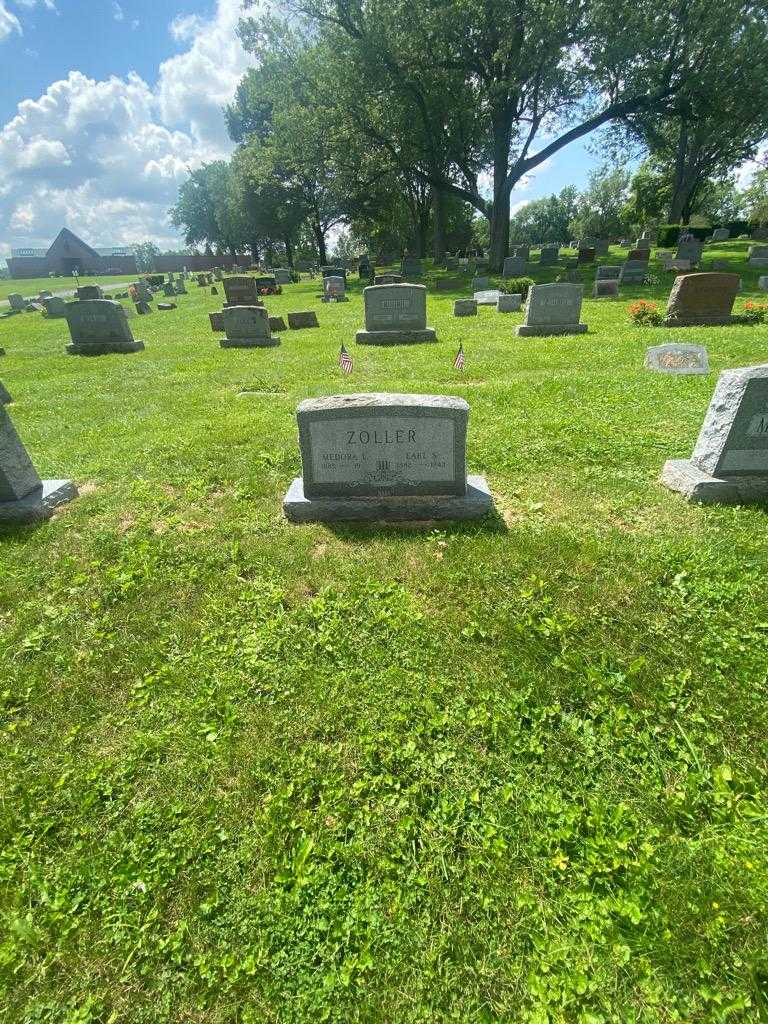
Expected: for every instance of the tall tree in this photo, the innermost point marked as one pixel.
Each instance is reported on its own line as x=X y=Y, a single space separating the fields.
x=601 y=209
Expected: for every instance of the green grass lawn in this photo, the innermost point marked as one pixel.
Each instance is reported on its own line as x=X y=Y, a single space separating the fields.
x=491 y=772
x=29 y=287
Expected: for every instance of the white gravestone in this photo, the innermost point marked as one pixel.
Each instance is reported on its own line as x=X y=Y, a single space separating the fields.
x=552 y=309
x=487 y=298
x=384 y=456
x=729 y=464
x=677 y=359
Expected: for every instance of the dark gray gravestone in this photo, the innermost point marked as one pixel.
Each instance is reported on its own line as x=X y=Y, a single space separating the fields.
x=17 y=302
x=730 y=459
x=608 y=273
x=465 y=307
x=5 y=395
x=553 y=309
x=217 y=321
x=241 y=290
x=98 y=327
x=702 y=299
x=513 y=266
x=24 y=497
x=550 y=254
x=247 y=327
x=282 y=276
x=304 y=318
x=508 y=303
x=395 y=314
x=277 y=324
x=384 y=456
x=89 y=291
x=55 y=307
x=634 y=272
x=605 y=289
x=334 y=289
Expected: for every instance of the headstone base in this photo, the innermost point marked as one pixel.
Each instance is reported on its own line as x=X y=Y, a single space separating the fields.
x=476 y=503
x=696 y=485
x=270 y=342
x=541 y=331
x=694 y=321
x=395 y=337
x=39 y=504
x=107 y=348
x=341 y=298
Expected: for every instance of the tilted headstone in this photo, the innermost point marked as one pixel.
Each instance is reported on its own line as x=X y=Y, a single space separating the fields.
x=465 y=307
x=384 y=457
x=480 y=283
x=395 y=314
x=217 y=320
x=241 y=290
x=608 y=289
x=758 y=256
x=513 y=266
x=247 y=327
x=508 y=303
x=55 y=307
x=304 y=318
x=701 y=299
x=487 y=297
x=17 y=302
x=277 y=324
x=633 y=272
x=24 y=497
x=608 y=273
x=730 y=459
x=721 y=235
x=142 y=290
x=552 y=309
x=550 y=254
x=180 y=287
x=677 y=359
x=282 y=276
x=601 y=246
x=89 y=291
x=98 y=327
x=334 y=289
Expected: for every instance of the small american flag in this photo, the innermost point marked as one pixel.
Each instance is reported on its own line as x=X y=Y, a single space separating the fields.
x=345 y=360
x=458 y=362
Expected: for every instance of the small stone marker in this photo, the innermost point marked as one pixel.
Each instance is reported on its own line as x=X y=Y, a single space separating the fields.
x=168 y=289
x=634 y=272
x=89 y=291
x=98 y=327
x=721 y=235
x=55 y=307
x=465 y=307
x=388 y=279
x=513 y=266
x=395 y=314
x=277 y=324
x=489 y=297
x=167 y=305
x=762 y=284
x=677 y=359
x=507 y=303
x=729 y=464
x=241 y=290
x=217 y=321
x=608 y=273
x=334 y=289
x=282 y=275
x=17 y=302
x=642 y=255
x=24 y=497
x=306 y=318
x=143 y=307
x=758 y=256
x=480 y=283
x=247 y=327
x=605 y=289
x=702 y=299
x=550 y=254
x=552 y=309
x=384 y=457
x=689 y=249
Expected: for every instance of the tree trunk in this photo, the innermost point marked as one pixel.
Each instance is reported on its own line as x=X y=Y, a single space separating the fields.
x=680 y=191
x=288 y=251
x=254 y=247
x=319 y=234
x=440 y=224
x=422 y=229
x=502 y=187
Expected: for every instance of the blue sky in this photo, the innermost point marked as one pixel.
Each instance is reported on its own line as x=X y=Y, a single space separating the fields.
x=106 y=104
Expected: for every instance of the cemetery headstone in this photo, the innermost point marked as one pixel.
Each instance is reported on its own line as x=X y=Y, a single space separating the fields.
x=633 y=272
x=586 y=256
x=143 y=307
x=689 y=249
x=513 y=266
x=411 y=267
x=217 y=320
x=762 y=284
x=24 y=497
x=608 y=289
x=142 y=289
x=55 y=307
x=167 y=305
x=395 y=314
x=334 y=289
x=608 y=273
x=480 y=283
x=241 y=290
x=552 y=309
x=701 y=299
x=729 y=463
x=98 y=327
x=519 y=250
x=277 y=324
x=465 y=307
x=643 y=242
x=388 y=279
x=508 y=303
x=550 y=254
x=677 y=359
x=180 y=287
x=487 y=297
x=89 y=291
x=168 y=289
x=282 y=275
x=302 y=319
x=601 y=247
x=758 y=256
x=247 y=327
x=334 y=271
x=721 y=235
x=384 y=457
x=17 y=302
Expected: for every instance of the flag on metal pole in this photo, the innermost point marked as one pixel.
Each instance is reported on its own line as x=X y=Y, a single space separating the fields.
x=458 y=362
x=345 y=360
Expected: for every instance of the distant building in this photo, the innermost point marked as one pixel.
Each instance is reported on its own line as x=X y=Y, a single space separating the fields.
x=68 y=254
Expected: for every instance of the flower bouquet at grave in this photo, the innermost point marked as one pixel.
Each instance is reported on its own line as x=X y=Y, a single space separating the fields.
x=645 y=314
x=754 y=312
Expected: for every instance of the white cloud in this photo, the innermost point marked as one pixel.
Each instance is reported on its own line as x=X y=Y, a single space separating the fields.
x=117 y=11
x=106 y=158
x=8 y=22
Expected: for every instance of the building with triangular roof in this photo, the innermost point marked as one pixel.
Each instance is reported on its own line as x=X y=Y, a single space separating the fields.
x=68 y=255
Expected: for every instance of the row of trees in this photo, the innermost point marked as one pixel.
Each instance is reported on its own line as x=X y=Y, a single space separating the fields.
x=404 y=119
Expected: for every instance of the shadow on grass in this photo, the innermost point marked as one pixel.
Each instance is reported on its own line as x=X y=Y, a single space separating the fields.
x=350 y=530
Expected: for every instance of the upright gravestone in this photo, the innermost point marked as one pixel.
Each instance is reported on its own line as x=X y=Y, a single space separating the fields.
x=241 y=290
x=520 y=250
x=89 y=291
x=465 y=307
x=702 y=300
x=17 y=302
x=412 y=267
x=487 y=297
x=601 y=246
x=282 y=275
x=480 y=282
x=758 y=256
x=642 y=255
x=585 y=256
x=513 y=266
x=98 y=327
x=730 y=460
x=508 y=303
x=302 y=319
x=247 y=327
x=721 y=235
x=395 y=314
x=677 y=359
x=643 y=242
x=24 y=497
x=180 y=288
x=633 y=272
x=550 y=254
x=217 y=320
x=334 y=271
x=608 y=273
x=689 y=249
x=388 y=279
x=552 y=309
x=334 y=290
x=607 y=289
x=384 y=457
x=55 y=307
x=142 y=289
